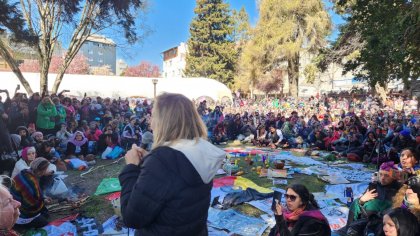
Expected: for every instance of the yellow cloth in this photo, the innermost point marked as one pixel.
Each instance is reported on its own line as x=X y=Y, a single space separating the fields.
x=245 y=183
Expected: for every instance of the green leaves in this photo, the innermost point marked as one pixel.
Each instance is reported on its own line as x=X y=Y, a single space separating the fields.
x=286 y=29
x=390 y=35
x=211 y=51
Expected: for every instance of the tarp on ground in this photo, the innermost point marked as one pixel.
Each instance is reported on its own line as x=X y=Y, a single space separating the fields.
x=235 y=222
x=108 y=185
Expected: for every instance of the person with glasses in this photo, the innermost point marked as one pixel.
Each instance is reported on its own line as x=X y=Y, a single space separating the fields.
x=300 y=215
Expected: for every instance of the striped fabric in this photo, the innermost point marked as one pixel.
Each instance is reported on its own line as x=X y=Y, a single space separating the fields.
x=27 y=191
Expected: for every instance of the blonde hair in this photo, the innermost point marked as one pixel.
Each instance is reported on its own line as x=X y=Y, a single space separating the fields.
x=175 y=117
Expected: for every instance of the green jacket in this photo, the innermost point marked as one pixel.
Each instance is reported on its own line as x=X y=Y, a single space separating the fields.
x=45 y=117
x=61 y=113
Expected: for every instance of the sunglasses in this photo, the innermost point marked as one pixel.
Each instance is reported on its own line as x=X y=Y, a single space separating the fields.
x=291 y=197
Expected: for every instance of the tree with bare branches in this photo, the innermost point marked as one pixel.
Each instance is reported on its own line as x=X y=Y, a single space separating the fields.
x=49 y=20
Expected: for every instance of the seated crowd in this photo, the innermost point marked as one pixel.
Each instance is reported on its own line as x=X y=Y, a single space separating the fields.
x=40 y=136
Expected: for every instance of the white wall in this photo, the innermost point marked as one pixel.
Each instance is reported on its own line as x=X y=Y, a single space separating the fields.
x=119 y=86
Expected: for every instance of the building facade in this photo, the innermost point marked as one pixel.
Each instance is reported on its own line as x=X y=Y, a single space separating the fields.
x=100 y=52
x=121 y=67
x=174 y=61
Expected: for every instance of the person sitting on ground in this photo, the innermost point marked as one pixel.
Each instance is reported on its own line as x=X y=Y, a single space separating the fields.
x=26 y=189
x=300 y=216
x=248 y=131
x=63 y=136
x=409 y=161
x=129 y=135
x=376 y=199
x=38 y=138
x=25 y=139
x=400 y=222
x=408 y=196
x=93 y=133
x=167 y=192
x=274 y=136
x=403 y=140
x=77 y=147
x=9 y=211
x=219 y=134
x=260 y=140
x=28 y=155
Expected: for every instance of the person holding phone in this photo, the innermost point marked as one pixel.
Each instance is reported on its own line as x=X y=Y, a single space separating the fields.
x=300 y=216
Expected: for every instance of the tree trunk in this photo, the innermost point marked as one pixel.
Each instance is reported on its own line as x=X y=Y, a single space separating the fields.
x=7 y=56
x=293 y=74
x=43 y=82
x=381 y=91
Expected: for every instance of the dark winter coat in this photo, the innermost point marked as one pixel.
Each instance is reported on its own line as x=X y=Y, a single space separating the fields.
x=167 y=194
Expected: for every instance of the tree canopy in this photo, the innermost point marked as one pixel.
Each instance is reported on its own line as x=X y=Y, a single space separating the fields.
x=385 y=38
x=285 y=30
x=211 y=50
x=51 y=21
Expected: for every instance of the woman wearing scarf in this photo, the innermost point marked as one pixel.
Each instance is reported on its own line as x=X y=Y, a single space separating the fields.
x=301 y=216
x=28 y=155
x=77 y=147
x=26 y=189
x=376 y=199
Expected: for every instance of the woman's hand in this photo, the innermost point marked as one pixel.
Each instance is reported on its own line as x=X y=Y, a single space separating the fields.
x=369 y=195
x=135 y=155
x=279 y=209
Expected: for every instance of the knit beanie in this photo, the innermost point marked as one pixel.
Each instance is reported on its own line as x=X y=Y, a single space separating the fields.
x=39 y=164
x=405 y=133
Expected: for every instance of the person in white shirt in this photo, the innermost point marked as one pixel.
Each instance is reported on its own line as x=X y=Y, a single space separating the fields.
x=28 y=155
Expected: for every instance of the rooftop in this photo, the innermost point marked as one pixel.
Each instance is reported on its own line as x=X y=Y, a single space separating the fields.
x=100 y=39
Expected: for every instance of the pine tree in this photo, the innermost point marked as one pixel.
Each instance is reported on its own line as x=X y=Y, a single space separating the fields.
x=211 y=51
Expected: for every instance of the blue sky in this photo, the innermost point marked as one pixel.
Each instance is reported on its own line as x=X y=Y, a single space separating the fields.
x=169 y=21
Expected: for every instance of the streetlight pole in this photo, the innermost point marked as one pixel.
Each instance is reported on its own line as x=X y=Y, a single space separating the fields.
x=154 y=81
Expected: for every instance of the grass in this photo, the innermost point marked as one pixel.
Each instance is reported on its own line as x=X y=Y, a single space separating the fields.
x=101 y=209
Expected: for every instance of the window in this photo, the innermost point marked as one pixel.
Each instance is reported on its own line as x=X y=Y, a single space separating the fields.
x=90 y=59
x=101 y=61
x=100 y=53
x=90 y=52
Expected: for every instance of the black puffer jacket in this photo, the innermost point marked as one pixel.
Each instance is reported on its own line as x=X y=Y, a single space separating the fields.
x=169 y=194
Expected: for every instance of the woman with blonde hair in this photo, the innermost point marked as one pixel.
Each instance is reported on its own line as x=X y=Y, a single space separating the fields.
x=167 y=191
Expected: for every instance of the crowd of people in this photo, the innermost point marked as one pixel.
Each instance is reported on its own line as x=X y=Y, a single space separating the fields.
x=39 y=134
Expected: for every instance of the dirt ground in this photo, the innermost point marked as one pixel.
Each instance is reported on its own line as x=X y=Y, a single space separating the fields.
x=97 y=206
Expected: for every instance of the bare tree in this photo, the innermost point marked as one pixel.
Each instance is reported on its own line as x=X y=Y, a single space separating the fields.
x=47 y=18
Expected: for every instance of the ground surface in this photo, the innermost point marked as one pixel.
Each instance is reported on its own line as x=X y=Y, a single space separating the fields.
x=101 y=209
